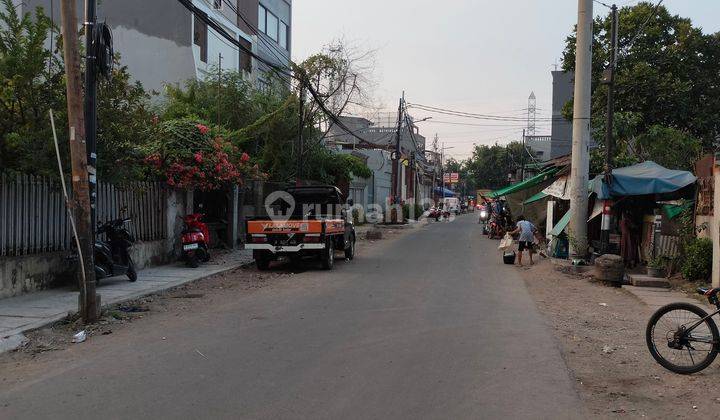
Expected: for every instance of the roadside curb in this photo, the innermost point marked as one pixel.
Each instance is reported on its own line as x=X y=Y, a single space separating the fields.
x=656 y=297
x=16 y=338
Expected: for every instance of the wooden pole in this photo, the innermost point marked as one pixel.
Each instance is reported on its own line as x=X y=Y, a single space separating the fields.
x=88 y=302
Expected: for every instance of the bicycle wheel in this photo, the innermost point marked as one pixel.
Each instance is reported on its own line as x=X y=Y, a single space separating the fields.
x=676 y=349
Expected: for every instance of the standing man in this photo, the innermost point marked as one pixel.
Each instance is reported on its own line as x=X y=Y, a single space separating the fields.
x=527 y=237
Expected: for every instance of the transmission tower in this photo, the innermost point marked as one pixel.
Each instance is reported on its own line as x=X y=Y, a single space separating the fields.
x=532 y=113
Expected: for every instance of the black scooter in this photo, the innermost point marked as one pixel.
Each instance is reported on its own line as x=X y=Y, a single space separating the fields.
x=112 y=255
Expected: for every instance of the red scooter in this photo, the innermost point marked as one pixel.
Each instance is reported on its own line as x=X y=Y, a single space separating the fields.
x=195 y=240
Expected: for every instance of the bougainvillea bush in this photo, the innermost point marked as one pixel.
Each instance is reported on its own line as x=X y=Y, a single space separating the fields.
x=188 y=154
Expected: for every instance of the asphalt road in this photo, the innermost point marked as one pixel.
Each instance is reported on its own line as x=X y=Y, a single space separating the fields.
x=429 y=325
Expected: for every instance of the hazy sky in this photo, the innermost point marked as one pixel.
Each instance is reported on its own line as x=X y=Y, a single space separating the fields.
x=480 y=56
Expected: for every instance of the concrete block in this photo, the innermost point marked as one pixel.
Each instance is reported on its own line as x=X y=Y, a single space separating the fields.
x=374 y=235
x=639 y=280
x=12 y=342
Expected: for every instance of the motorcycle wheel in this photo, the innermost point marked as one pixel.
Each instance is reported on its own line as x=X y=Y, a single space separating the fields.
x=131 y=272
x=192 y=260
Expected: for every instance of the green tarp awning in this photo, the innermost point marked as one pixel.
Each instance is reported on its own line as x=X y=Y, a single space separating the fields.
x=523 y=185
x=672 y=210
x=561 y=225
x=537 y=197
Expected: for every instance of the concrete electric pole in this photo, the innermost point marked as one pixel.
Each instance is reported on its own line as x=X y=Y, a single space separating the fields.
x=577 y=229
x=301 y=140
x=397 y=156
x=79 y=152
x=609 y=80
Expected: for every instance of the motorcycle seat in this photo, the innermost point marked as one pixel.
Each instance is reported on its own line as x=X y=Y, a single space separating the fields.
x=193 y=230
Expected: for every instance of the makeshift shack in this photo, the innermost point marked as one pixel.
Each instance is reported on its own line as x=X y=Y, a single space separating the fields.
x=638 y=194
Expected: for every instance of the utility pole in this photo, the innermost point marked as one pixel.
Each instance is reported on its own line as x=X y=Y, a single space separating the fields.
x=91 y=66
x=436 y=156
x=220 y=57
x=522 y=159
x=88 y=301
x=397 y=185
x=581 y=131
x=442 y=171
x=301 y=140
x=609 y=80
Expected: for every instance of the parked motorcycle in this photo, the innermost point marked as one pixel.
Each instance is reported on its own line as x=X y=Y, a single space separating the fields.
x=496 y=229
x=434 y=213
x=112 y=255
x=483 y=220
x=483 y=216
x=195 y=240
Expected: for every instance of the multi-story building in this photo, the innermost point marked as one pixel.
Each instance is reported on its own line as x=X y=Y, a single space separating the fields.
x=561 y=134
x=161 y=42
x=274 y=19
x=540 y=147
x=380 y=137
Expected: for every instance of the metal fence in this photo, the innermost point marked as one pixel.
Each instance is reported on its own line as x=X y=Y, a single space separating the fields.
x=144 y=202
x=34 y=220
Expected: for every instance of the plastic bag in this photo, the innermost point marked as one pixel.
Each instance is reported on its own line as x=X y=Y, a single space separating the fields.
x=506 y=242
x=79 y=337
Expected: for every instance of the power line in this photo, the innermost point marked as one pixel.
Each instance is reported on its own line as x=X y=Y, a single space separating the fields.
x=603 y=4
x=298 y=75
x=256 y=31
x=640 y=30
x=476 y=116
x=469 y=114
x=479 y=125
x=302 y=79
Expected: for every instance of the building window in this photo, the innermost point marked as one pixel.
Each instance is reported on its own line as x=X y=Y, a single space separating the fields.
x=272 y=26
x=262 y=22
x=245 y=58
x=200 y=38
x=284 y=41
x=217 y=4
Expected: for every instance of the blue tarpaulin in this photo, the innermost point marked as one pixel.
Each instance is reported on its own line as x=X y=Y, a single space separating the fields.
x=641 y=179
x=444 y=192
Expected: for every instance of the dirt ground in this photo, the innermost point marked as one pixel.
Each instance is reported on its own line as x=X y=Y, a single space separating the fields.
x=602 y=334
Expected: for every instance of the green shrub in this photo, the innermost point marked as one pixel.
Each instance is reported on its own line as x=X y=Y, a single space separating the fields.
x=418 y=211
x=698 y=260
x=357 y=220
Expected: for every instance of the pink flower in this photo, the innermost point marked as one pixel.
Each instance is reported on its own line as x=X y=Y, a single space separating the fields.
x=244 y=158
x=203 y=129
x=198 y=157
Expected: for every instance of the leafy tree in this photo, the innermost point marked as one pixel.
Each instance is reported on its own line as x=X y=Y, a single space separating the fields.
x=633 y=147
x=489 y=166
x=31 y=83
x=264 y=123
x=666 y=76
x=124 y=116
x=452 y=165
x=342 y=75
x=669 y=147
